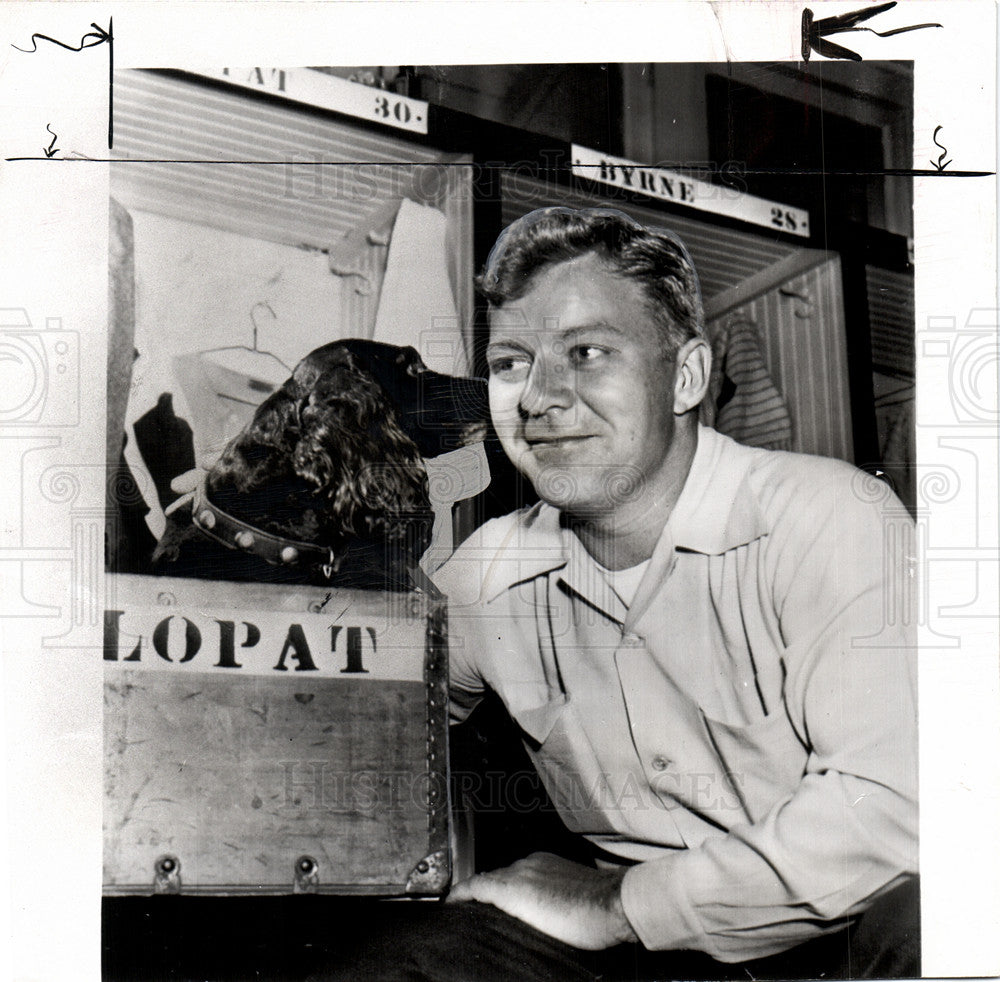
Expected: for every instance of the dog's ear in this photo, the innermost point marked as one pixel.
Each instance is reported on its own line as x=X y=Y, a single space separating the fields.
x=355 y=454
x=329 y=416
x=260 y=452
x=395 y=485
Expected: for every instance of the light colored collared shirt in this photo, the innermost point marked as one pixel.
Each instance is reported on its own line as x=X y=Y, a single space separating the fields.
x=745 y=730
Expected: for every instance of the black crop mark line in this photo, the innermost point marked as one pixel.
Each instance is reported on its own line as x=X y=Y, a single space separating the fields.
x=753 y=172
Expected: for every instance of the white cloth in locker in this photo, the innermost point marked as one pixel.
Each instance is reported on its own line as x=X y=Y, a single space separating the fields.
x=416 y=306
x=451 y=477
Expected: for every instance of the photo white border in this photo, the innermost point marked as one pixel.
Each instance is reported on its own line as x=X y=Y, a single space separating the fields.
x=53 y=253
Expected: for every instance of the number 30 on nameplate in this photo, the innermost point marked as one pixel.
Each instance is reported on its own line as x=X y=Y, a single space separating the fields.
x=314 y=88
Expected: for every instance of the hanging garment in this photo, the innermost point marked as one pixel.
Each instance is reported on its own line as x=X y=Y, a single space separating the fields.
x=749 y=407
x=360 y=254
x=166 y=445
x=223 y=388
x=359 y=259
x=416 y=307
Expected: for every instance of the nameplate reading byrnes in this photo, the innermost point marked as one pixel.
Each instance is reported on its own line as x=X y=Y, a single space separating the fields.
x=689 y=192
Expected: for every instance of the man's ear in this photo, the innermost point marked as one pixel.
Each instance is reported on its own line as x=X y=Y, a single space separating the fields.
x=692 y=375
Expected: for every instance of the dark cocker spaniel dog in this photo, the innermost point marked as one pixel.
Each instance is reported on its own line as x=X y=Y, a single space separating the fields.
x=326 y=484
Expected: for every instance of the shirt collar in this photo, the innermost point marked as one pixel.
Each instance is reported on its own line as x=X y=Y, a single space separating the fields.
x=583 y=575
x=716 y=511
x=533 y=546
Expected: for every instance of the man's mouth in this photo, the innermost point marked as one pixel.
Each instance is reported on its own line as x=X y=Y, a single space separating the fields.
x=554 y=441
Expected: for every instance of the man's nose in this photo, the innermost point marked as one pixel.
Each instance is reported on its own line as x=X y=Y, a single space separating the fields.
x=548 y=387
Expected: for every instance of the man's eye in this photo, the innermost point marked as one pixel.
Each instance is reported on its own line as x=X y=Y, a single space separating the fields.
x=509 y=367
x=587 y=353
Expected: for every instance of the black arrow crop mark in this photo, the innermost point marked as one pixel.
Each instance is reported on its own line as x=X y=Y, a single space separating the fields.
x=89 y=40
x=50 y=150
x=816 y=32
x=98 y=34
x=941 y=162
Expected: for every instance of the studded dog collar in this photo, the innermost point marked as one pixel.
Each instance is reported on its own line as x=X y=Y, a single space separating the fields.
x=243 y=537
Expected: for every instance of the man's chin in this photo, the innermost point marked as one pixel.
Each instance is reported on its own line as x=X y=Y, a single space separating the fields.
x=561 y=488
x=584 y=490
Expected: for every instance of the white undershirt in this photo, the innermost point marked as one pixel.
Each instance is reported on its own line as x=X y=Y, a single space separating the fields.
x=624 y=582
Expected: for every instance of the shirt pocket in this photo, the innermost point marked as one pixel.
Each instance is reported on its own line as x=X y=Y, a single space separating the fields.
x=764 y=761
x=538 y=719
x=567 y=765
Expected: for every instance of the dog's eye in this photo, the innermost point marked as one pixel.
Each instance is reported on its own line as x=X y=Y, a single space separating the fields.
x=415 y=368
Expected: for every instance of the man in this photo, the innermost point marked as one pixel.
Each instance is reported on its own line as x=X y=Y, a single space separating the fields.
x=701 y=643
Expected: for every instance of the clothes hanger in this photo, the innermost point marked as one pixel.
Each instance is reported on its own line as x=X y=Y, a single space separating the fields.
x=262 y=356
x=242 y=373
x=223 y=386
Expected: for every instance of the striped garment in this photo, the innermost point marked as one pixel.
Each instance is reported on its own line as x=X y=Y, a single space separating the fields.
x=749 y=407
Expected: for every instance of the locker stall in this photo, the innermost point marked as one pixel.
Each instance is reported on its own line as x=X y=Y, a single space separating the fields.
x=823 y=300
x=274 y=738
x=242 y=268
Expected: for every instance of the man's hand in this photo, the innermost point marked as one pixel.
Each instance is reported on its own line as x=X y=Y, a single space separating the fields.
x=576 y=904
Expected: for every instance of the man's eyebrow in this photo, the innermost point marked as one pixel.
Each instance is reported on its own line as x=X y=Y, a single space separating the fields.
x=505 y=343
x=567 y=335
x=595 y=326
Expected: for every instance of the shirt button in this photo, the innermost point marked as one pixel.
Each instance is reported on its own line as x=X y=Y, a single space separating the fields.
x=660 y=763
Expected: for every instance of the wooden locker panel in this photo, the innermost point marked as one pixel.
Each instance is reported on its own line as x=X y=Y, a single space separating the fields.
x=801 y=327
x=274 y=751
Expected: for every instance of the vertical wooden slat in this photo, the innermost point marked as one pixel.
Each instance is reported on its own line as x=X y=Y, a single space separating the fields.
x=457 y=206
x=121 y=326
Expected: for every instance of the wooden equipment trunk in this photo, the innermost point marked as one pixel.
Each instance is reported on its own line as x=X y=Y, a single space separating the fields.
x=273 y=740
